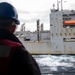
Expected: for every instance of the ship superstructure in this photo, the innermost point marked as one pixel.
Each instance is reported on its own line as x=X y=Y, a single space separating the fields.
x=62 y=29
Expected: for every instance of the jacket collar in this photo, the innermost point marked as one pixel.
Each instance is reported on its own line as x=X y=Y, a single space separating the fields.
x=5 y=34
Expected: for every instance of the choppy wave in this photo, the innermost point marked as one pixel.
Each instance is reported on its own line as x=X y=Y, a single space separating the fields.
x=54 y=64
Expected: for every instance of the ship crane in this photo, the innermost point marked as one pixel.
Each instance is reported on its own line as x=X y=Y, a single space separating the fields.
x=23 y=27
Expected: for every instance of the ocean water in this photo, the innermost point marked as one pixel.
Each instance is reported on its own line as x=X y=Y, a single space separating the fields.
x=56 y=65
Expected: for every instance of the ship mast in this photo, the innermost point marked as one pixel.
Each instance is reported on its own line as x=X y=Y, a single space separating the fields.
x=61 y=5
x=57 y=5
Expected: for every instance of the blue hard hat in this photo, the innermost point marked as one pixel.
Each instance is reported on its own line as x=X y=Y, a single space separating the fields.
x=7 y=11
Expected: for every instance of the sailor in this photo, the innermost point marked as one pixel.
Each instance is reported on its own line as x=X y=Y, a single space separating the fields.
x=14 y=58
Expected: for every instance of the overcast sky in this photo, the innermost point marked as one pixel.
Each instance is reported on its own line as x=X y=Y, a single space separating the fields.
x=31 y=10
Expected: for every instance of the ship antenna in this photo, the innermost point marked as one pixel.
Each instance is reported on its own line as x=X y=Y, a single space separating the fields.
x=57 y=5
x=61 y=5
x=53 y=6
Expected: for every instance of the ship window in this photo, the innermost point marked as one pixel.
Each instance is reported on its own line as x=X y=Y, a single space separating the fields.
x=56 y=47
x=60 y=34
x=67 y=18
x=71 y=14
x=66 y=34
x=69 y=33
x=52 y=34
x=74 y=34
x=57 y=34
x=50 y=24
x=65 y=15
x=69 y=39
x=68 y=26
x=26 y=39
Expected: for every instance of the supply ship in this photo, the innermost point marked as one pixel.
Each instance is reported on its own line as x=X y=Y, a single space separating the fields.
x=60 y=39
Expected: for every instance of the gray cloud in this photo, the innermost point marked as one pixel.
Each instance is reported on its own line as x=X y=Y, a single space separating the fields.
x=43 y=16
